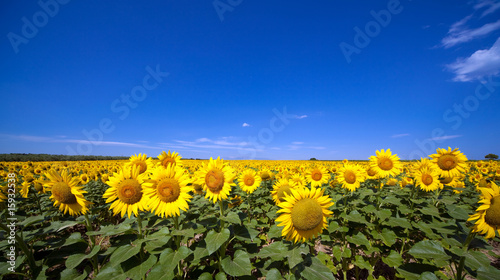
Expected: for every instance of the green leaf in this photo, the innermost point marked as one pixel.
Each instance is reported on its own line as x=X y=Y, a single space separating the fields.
x=215 y=239
x=317 y=271
x=200 y=251
x=232 y=217
x=124 y=253
x=74 y=260
x=273 y=274
x=383 y=214
x=184 y=232
x=362 y=263
x=158 y=272
x=399 y=222
x=220 y=276
x=359 y=239
x=476 y=259
x=73 y=274
x=276 y=251
x=141 y=268
x=295 y=256
x=393 y=260
x=205 y=276
x=412 y=271
x=337 y=252
x=246 y=233
x=327 y=260
x=169 y=259
x=387 y=236
x=428 y=276
x=428 y=249
x=75 y=237
x=356 y=217
x=333 y=226
x=457 y=212
x=156 y=246
x=488 y=273
x=239 y=266
x=111 y=272
x=274 y=232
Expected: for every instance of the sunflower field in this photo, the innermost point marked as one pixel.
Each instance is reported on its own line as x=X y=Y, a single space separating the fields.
x=170 y=218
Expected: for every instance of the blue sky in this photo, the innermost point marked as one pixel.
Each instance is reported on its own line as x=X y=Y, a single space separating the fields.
x=250 y=79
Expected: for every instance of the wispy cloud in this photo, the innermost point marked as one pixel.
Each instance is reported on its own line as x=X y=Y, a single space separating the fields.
x=57 y=139
x=490 y=7
x=460 y=34
x=300 y=117
x=400 y=135
x=246 y=125
x=226 y=143
x=480 y=64
x=297 y=143
x=445 y=137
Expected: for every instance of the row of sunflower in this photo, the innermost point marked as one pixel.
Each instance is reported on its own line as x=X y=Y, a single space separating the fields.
x=300 y=197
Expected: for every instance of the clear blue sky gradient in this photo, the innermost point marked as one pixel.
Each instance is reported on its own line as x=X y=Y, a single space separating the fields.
x=250 y=79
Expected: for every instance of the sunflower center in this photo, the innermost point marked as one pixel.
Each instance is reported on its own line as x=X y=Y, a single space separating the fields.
x=371 y=172
x=316 y=175
x=168 y=161
x=130 y=191
x=483 y=183
x=62 y=193
x=214 y=180
x=427 y=179
x=492 y=216
x=385 y=163
x=265 y=176
x=447 y=162
x=446 y=180
x=249 y=180
x=142 y=166
x=349 y=177
x=306 y=214
x=168 y=190
x=281 y=192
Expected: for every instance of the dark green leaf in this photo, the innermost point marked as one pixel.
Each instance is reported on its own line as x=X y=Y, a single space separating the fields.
x=276 y=251
x=239 y=266
x=124 y=253
x=75 y=259
x=359 y=239
x=232 y=217
x=138 y=271
x=317 y=271
x=428 y=249
x=393 y=260
x=273 y=274
x=215 y=239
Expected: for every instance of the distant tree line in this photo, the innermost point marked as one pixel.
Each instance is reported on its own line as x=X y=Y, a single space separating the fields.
x=47 y=157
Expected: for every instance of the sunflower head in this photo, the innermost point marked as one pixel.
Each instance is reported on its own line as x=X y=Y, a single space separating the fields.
x=169 y=158
x=282 y=188
x=385 y=163
x=488 y=213
x=216 y=177
x=449 y=162
x=66 y=193
x=304 y=214
x=142 y=162
x=249 y=181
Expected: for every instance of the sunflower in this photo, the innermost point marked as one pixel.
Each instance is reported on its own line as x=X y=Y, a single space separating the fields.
x=385 y=163
x=168 y=191
x=266 y=174
x=170 y=158
x=216 y=177
x=126 y=192
x=488 y=214
x=282 y=187
x=350 y=176
x=249 y=181
x=317 y=176
x=142 y=161
x=427 y=178
x=298 y=180
x=84 y=178
x=66 y=193
x=304 y=213
x=450 y=162
x=3 y=197
x=25 y=188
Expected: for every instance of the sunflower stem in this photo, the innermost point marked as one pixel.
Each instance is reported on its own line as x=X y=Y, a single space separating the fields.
x=38 y=202
x=177 y=237
x=460 y=275
x=93 y=261
x=139 y=226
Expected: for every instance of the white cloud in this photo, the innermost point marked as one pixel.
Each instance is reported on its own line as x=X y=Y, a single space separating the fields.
x=301 y=117
x=480 y=64
x=445 y=137
x=400 y=135
x=491 y=6
x=460 y=34
x=297 y=143
x=246 y=125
